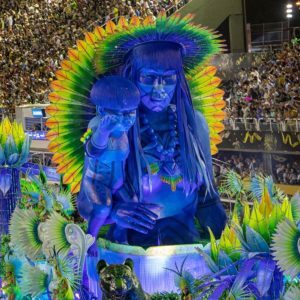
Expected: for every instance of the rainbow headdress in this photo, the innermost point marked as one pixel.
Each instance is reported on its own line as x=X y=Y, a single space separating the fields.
x=105 y=49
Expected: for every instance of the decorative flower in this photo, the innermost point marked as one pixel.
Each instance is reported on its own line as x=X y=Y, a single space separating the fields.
x=286 y=248
x=14 y=144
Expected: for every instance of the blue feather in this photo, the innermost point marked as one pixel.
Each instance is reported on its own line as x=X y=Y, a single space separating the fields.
x=264 y=277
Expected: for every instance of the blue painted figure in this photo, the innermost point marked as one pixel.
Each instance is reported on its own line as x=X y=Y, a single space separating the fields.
x=152 y=183
x=116 y=100
x=169 y=167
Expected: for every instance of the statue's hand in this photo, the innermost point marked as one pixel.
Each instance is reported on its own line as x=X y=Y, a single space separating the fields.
x=136 y=216
x=108 y=123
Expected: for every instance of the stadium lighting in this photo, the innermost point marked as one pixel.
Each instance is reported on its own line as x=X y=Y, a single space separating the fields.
x=289 y=10
x=289 y=5
x=289 y=16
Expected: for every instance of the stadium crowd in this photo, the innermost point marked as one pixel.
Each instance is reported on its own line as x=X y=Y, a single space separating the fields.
x=35 y=35
x=244 y=165
x=286 y=172
x=270 y=90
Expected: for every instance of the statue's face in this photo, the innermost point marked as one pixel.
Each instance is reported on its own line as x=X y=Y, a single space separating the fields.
x=157 y=88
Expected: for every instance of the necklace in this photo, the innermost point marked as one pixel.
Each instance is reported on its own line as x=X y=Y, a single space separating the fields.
x=165 y=148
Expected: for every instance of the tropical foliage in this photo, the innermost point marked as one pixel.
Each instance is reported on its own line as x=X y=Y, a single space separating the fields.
x=37 y=234
x=14 y=144
x=259 y=246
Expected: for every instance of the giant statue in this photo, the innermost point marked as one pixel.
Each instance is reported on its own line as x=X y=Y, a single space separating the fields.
x=151 y=179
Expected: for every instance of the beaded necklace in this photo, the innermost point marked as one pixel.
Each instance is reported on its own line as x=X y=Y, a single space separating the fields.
x=165 y=148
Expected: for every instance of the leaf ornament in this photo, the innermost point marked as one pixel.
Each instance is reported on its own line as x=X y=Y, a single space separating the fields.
x=35 y=282
x=55 y=232
x=101 y=52
x=286 y=248
x=23 y=230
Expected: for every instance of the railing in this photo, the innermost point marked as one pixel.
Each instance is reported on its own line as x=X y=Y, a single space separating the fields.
x=268 y=124
x=269 y=34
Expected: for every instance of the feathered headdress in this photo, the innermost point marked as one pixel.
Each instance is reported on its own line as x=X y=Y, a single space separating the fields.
x=106 y=49
x=197 y=43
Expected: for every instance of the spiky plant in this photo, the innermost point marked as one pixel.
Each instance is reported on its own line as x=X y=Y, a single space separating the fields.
x=14 y=144
x=55 y=232
x=66 y=201
x=233 y=185
x=45 y=198
x=286 y=248
x=183 y=278
x=24 y=233
x=261 y=186
x=35 y=282
x=229 y=243
x=66 y=273
x=235 y=286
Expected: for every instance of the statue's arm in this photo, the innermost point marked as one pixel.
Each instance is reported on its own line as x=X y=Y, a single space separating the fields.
x=210 y=211
x=97 y=143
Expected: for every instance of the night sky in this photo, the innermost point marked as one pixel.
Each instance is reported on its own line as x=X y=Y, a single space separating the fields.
x=265 y=11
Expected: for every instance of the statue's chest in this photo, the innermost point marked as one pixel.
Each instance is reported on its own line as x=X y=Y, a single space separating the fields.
x=162 y=156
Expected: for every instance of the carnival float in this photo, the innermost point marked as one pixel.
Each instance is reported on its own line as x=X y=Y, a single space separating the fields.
x=136 y=113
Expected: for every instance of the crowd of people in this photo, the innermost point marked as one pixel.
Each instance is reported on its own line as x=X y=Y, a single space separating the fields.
x=245 y=165
x=287 y=172
x=35 y=36
x=271 y=89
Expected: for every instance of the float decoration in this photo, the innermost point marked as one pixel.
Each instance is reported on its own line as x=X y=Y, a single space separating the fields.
x=46 y=250
x=14 y=152
x=258 y=248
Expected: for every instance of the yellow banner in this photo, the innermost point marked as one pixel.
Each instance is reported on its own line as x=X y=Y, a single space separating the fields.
x=252 y=137
x=287 y=140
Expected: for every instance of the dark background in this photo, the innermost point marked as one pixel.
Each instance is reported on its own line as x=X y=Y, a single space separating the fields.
x=265 y=11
